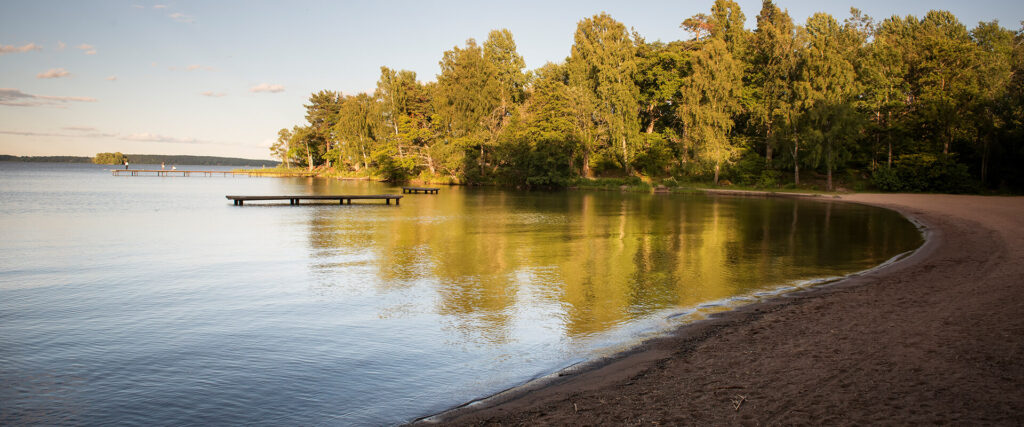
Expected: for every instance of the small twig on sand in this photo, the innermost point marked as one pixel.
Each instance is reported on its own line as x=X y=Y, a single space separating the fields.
x=738 y=401
x=575 y=408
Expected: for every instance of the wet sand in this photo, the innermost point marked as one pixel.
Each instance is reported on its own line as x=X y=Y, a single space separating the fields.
x=937 y=337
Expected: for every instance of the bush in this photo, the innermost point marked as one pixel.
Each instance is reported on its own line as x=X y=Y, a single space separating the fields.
x=391 y=168
x=769 y=179
x=748 y=170
x=886 y=179
x=925 y=173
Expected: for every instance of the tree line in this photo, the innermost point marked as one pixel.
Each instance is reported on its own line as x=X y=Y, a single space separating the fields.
x=118 y=158
x=913 y=104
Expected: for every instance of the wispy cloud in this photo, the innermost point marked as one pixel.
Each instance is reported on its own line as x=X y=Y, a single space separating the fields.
x=112 y=78
x=181 y=17
x=80 y=128
x=138 y=6
x=195 y=67
x=213 y=94
x=17 y=98
x=88 y=48
x=53 y=73
x=9 y=48
x=266 y=87
x=159 y=6
x=61 y=46
x=91 y=132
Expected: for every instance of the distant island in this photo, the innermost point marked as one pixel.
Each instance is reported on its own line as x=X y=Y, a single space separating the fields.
x=151 y=159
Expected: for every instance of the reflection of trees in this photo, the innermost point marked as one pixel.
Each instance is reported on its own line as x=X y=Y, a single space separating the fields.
x=612 y=257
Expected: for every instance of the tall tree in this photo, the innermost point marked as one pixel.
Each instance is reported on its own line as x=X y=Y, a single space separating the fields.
x=405 y=106
x=710 y=97
x=602 y=63
x=832 y=83
x=995 y=49
x=946 y=79
x=357 y=129
x=466 y=96
x=773 y=61
x=322 y=114
x=281 y=147
x=727 y=22
x=886 y=94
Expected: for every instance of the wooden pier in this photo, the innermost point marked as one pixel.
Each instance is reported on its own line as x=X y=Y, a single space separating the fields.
x=294 y=200
x=166 y=172
x=416 y=190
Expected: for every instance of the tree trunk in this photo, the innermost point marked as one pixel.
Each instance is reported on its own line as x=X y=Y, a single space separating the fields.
x=796 y=161
x=625 y=157
x=768 y=147
x=586 y=165
x=984 y=161
x=309 y=155
x=481 y=160
x=828 y=181
x=717 y=167
x=889 y=164
x=430 y=164
x=651 y=117
x=888 y=119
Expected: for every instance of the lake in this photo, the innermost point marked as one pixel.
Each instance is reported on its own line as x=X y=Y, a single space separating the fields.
x=156 y=301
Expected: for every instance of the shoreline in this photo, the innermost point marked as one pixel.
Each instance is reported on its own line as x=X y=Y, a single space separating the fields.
x=667 y=379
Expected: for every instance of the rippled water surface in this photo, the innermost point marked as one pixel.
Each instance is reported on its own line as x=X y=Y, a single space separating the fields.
x=145 y=300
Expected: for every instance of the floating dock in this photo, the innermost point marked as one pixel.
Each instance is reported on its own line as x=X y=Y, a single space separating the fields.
x=165 y=172
x=416 y=190
x=294 y=200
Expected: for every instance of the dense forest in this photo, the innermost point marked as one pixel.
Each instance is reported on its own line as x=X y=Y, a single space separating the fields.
x=905 y=104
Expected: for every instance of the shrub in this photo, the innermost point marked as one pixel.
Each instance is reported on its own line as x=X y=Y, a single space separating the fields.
x=925 y=173
x=391 y=168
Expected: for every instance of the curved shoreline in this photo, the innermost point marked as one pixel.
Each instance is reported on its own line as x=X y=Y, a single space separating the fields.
x=862 y=349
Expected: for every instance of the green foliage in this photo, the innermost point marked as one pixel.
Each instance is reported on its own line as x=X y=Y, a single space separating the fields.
x=391 y=168
x=601 y=65
x=926 y=95
x=925 y=173
x=109 y=158
x=710 y=98
x=748 y=169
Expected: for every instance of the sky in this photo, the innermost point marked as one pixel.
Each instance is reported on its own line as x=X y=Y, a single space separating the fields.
x=220 y=78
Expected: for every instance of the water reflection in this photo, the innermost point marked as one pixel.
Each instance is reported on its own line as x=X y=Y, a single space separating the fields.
x=589 y=261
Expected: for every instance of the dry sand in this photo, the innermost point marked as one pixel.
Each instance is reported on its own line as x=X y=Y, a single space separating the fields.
x=935 y=338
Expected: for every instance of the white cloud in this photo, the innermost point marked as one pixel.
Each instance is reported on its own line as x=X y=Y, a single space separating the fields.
x=213 y=94
x=138 y=6
x=265 y=87
x=112 y=78
x=8 y=48
x=17 y=98
x=53 y=73
x=61 y=46
x=181 y=17
x=159 y=6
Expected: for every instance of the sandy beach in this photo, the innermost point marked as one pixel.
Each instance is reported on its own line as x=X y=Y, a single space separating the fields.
x=937 y=337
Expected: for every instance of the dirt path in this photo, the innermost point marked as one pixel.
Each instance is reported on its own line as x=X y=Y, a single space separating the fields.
x=937 y=337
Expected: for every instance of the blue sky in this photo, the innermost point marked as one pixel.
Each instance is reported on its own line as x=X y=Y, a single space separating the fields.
x=220 y=78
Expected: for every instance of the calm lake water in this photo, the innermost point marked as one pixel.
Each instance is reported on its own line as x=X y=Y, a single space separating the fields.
x=145 y=300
